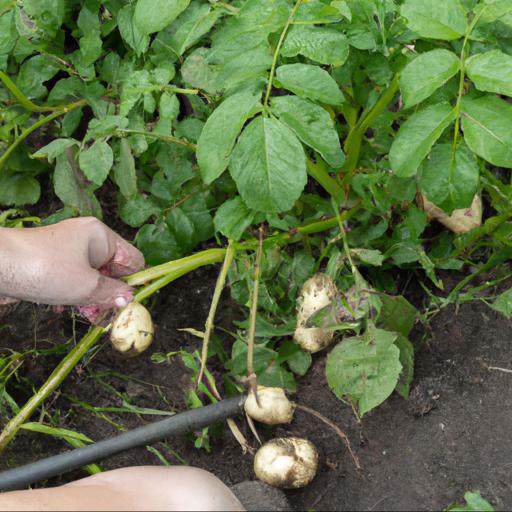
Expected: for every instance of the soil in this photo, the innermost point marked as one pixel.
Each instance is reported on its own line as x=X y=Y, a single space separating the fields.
x=451 y=436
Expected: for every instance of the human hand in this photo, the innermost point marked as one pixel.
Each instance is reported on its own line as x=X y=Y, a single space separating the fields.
x=73 y=262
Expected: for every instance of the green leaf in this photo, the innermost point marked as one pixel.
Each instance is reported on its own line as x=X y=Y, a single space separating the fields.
x=503 y=304
x=19 y=189
x=417 y=136
x=124 y=170
x=397 y=314
x=276 y=376
x=70 y=188
x=54 y=149
x=435 y=19
x=474 y=503
x=33 y=73
x=191 y=25
x=8 y=33
x=220 y=132
x=157 y=243
x=487 y=126
x=154 y=15
x=137 y=210
x=233 y=218
x=407 y=361
x=312 y=124
x=244 y=68
x=48 y=14
x=491 y=72
x=450 y=180
x=492 y=10
x=311 y=82
x=268 y=166
x=369 y=256
x=365 y=368
x=426 y=73
x=318 y=12
x=197 y=72
x=321 y=44
x=96 y=162
x=129 y=31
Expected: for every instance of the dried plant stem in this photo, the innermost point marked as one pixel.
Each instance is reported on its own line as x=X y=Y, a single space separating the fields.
x=334 y=427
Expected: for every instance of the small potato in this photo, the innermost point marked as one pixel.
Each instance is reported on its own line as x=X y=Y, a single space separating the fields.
x=274 y=408
x=132 y=330
x=286 y=462
x=317 y=293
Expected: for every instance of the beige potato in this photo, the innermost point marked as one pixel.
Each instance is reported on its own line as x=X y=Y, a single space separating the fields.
x=286 y=462
x=274 y=408
x=317 y=293
x=132 y=330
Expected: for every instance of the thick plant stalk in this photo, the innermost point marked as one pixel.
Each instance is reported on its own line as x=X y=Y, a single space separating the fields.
x=219 y=286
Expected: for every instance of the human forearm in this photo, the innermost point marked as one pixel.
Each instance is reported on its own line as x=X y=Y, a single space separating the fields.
x=14 y=265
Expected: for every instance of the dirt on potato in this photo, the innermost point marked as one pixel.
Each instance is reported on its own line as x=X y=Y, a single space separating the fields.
x=452 y=435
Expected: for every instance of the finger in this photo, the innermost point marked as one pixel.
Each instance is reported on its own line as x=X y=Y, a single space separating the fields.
x=124 y=258
x=110 y=293
x=111 y=253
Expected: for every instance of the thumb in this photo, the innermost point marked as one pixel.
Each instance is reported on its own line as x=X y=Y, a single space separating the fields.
x=110 y=293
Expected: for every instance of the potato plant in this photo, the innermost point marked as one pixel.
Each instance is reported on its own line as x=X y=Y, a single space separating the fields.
x=323 y=125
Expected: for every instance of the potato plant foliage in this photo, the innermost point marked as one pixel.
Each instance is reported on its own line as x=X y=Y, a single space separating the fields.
x=318 y=119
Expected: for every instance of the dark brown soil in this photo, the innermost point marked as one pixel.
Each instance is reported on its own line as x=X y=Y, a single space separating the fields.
x=453 y=435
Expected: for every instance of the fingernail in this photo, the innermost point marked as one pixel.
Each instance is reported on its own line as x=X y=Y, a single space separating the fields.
x=121 y=302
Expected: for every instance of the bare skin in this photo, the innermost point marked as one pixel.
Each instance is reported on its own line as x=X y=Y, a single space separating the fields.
x=130 y=489
x=75 y=262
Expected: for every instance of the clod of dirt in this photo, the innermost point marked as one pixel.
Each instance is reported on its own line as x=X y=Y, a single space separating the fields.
x=259 y=496
x=424 y=396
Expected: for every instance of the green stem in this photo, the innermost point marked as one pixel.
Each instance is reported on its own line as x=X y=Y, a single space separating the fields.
x=219 y=286
x=188 y=264
x=322 y=178
x=160 y=136
x=179 y=90
x=53 y=381
x=276 y=54
x=253 y=313
x=25 y=133
x=456 y=130
x=354 y=140
x=25 y=102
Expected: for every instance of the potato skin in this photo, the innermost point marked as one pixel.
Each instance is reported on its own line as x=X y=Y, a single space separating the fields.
x=286 y=462
x=317 y=293
x=132 y=330
x=274 y=409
